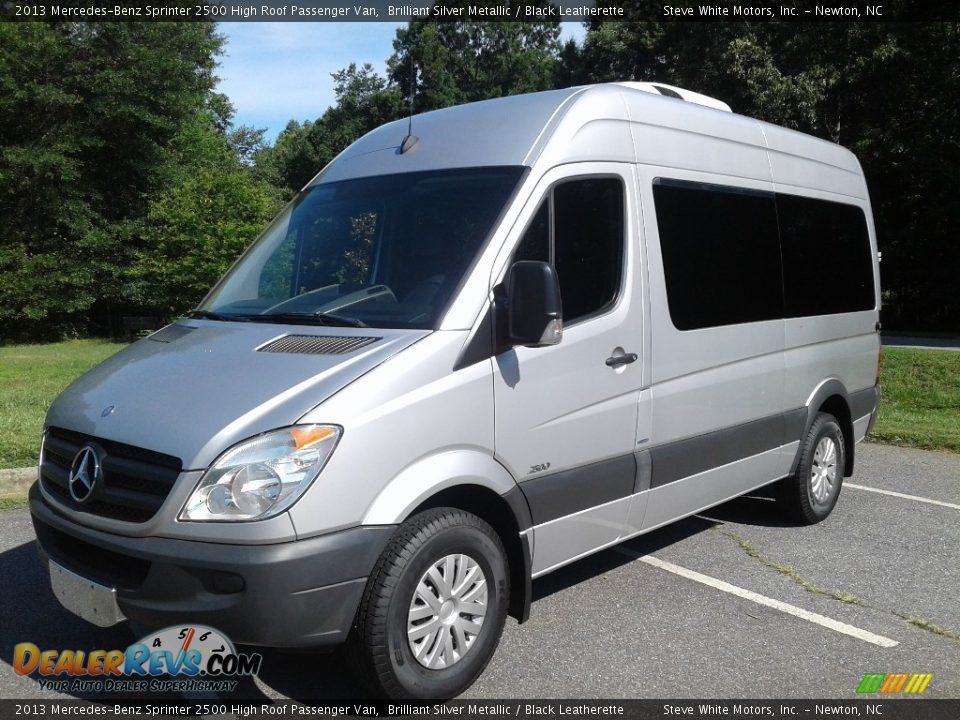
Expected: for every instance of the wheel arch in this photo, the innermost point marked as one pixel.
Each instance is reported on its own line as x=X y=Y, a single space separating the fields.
x=831 y=397
x=469 y=480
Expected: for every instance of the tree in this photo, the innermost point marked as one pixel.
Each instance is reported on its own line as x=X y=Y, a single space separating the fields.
x=448 y=63
x=87 y=112
x=364 y=101
x=212 y=209
x=212 y=205
x=291 y=161
x=246 y=141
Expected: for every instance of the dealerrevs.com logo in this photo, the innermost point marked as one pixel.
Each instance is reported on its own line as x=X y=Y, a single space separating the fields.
x=176 y=659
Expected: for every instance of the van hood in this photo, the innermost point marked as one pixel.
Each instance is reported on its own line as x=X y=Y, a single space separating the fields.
x=197 y=387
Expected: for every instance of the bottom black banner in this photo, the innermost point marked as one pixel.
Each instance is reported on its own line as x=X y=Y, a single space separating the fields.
x=899 y=709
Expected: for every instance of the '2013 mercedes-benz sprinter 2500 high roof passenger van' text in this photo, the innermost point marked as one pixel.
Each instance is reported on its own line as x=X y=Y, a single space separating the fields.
x=463 y=357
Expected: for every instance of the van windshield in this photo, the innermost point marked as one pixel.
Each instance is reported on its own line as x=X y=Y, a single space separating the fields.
x=385 y=251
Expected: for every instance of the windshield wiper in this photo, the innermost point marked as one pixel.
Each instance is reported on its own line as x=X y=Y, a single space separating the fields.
x=210 y=315
x=317 y=318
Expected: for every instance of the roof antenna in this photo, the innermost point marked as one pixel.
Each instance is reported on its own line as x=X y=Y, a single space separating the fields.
x=410 y=140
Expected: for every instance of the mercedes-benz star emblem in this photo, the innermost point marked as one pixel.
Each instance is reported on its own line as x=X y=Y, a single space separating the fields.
x=85 y=472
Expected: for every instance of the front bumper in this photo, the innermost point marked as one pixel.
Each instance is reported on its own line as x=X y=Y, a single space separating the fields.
x=295 y=594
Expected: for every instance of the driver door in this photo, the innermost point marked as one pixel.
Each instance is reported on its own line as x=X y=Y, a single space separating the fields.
x=566 y=415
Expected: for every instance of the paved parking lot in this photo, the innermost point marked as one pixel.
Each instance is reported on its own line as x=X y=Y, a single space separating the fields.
x=732 y=603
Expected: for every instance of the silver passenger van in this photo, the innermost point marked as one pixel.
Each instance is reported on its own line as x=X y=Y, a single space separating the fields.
x=464 y=356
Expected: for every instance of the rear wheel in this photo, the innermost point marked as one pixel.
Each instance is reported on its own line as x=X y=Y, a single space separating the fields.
x=434 y=607
x=811 y=493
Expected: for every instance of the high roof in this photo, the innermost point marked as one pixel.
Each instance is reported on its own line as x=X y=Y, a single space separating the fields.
x=624 y=122
x=490 y=132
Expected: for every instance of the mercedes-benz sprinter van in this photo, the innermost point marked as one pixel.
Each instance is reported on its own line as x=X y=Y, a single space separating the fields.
x=476 y=347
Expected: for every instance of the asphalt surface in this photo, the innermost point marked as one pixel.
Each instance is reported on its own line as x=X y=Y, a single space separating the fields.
x=615 y=626
x=924 y=343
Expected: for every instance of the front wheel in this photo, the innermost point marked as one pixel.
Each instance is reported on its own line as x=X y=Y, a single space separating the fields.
x=811 y=493
x=434 y=607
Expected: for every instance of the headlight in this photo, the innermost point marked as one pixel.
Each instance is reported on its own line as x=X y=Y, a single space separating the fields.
x=263 y=476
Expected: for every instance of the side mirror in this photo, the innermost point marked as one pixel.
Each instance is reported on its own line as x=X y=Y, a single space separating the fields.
x=534 y=310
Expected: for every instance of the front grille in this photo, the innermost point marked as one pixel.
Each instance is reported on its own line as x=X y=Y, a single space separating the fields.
x=317 y=344
x=135 y=481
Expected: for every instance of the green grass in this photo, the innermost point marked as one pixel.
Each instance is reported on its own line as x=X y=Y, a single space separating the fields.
x=921 y=399
x=928 y=626
x=13 y=503
x=31 y=376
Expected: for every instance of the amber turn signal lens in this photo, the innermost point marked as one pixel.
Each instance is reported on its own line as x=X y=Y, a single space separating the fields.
x=310 y=435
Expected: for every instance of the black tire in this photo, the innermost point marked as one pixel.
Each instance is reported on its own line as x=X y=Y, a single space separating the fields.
x=796 y=494
x=378 y=646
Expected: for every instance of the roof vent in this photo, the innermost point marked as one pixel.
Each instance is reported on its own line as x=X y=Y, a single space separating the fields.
x=678 y=93
x=316 y=344
x=664 y=90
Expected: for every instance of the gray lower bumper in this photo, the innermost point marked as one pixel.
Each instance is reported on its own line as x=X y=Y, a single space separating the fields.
x=295 y=594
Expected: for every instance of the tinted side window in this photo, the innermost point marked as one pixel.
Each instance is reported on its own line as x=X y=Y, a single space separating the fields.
x=535 y=244
x=721 y=255
x=588 y=244
x=827 y=265
x=580 y=229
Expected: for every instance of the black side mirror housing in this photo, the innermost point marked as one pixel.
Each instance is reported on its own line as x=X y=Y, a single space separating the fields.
x=534 y=310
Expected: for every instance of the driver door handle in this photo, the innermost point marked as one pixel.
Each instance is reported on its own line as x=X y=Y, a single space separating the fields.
x=617 y=360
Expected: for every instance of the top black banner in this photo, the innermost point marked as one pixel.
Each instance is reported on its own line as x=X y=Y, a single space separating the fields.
x=476 y=11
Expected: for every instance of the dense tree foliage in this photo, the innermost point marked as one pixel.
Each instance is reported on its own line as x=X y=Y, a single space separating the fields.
x=101 y=125
x=443 y=64
x=126 y=189
x=85 y=114
x=198 y=224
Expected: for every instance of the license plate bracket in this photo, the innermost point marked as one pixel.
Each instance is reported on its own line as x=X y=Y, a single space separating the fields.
x=95 y=603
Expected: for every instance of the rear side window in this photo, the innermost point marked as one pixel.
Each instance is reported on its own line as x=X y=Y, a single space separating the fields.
x=827 y=264
x=720 y=251
x=732 y=255
x=579 y=228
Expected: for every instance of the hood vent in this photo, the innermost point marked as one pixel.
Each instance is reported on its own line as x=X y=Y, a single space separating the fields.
x=317 y=344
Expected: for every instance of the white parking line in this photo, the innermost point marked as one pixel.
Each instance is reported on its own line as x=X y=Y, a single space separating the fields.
x=941 y=503
x=813 y=617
